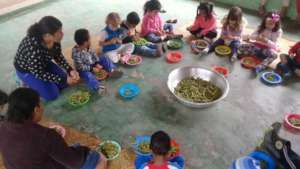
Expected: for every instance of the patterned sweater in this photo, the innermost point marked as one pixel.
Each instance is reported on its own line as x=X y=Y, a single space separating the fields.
x=32 y=57
x=84 y=60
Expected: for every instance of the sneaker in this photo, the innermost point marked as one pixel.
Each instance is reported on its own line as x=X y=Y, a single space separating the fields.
x=116 y=73
x=233 y=58
x=258 y=70
x=174 y=21
x=204 y=52
x=101 y=90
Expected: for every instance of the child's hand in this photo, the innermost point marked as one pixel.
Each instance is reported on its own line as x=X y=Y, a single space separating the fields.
x=189 y=28
x=99 y=66
x=96 y=70
x=75 y=75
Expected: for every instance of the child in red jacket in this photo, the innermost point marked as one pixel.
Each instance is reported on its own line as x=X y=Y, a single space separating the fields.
x=290 y=63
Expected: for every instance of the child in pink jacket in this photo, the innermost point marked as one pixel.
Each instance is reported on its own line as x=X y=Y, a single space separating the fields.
x=153 y=28
x=205 y=25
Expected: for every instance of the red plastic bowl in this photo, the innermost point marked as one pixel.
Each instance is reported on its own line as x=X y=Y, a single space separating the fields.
x=175 y=144
x=289 y=126
x=246 y=65
x=174 y=57
x=220 y=69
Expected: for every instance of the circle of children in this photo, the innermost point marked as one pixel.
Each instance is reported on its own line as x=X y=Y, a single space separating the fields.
x=25 y=144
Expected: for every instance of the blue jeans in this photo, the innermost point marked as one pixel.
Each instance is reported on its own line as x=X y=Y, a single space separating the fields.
x=149 y=50
x=152 y=37
x=91 y=160
x=47 y=90
x=90 y=78
x=234 y=45
x=142 y=161
x=289 y=67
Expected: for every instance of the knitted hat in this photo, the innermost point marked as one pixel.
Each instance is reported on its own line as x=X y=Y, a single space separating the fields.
x=246 y=163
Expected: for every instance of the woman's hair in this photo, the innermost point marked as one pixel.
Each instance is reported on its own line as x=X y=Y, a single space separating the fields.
x=275 y=17
x=207 y=7
x=235 y=14
x=81 y=36
x=48 y=24
x=21 y=104
x=113 y=16
x=160 y=143
x=152 y=5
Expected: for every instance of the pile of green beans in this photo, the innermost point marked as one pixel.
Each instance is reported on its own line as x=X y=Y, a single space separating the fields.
x=197 y=90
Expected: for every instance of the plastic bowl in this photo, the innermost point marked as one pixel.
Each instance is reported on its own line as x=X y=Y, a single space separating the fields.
x=271 y=78
x=223 y=50
x=139 y=60
x=129 y=90
x=249 y=62
x=174 y=57
x=288 y=125
x=174 y=44
x=139 y=140
x=114 y=143
x=146 y=139
x=103 y=76
x=221 y=70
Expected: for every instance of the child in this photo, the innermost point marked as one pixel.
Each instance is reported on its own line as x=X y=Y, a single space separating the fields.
x=30 y=145
x=3 y=101
x=265 y=39
x=205 y=25
x=129 y=26
x=111 y=39
x=231 y=32
x=290 y=64
x=152 y=26
x=87 y=62
x=275 y=151
x=160 y=145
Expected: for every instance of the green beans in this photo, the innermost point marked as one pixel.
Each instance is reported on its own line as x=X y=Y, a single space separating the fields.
x=140 y=42
x=197 y=90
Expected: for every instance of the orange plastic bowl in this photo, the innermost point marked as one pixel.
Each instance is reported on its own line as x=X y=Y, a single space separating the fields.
x=174 y=57
x=220 y=69
x=289 y=126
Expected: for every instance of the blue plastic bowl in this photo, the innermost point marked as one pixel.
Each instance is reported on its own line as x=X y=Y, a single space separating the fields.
x=138 y=141
x=276 y=78
x=129 y=90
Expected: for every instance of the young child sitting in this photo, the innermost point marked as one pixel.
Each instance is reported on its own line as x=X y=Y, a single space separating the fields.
x=265 y=38
x=152 y=25
x=231 y=32
x=3 y=101
x=290 y=63
x=205 y=24
x=87 y=63
x=27 y=144
x=131 y=35
x=111 y=39
x=160 y=145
